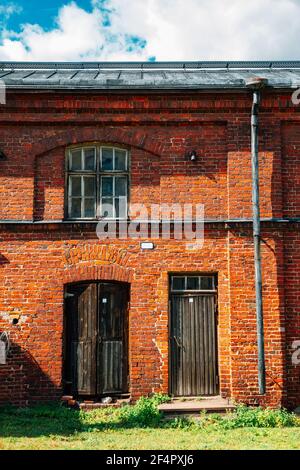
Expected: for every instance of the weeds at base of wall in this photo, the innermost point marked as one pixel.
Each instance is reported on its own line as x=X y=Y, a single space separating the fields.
x=145 y=414
x=248 y=417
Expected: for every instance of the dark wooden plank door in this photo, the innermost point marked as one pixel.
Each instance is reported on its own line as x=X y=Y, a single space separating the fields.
x=82 y=338
x=96 y=344
x=193 y=345
x=112 y=349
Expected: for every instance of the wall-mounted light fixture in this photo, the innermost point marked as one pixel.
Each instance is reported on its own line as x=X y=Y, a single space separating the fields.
x=192 y=156
x=2 y=155
x=147 y=246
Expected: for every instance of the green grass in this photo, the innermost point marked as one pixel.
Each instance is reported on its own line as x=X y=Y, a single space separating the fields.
x=142 y=427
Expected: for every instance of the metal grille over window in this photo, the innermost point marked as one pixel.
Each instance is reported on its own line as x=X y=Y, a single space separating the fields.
x=97 y=183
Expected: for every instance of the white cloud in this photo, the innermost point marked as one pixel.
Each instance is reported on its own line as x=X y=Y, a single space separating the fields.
x=76 y=35
x=173 y=30
x=214 y=29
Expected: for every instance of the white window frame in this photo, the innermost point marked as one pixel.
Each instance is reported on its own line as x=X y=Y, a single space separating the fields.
x=98 y=173
x=113 y=196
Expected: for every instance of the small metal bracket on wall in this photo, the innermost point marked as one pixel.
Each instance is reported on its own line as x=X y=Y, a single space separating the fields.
x=68 y=295
x=4 y=347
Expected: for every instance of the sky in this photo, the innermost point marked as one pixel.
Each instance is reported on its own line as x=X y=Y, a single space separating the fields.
x=150 y=30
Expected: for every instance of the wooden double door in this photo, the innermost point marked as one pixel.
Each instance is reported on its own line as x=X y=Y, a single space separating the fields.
x=96 y=339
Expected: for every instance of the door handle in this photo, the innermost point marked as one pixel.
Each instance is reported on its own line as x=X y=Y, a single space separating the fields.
x=178 y=342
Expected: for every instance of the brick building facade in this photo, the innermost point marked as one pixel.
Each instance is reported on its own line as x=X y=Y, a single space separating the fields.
x=156 y=117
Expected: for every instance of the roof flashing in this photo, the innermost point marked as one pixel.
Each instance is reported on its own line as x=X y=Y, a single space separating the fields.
x=147 y=75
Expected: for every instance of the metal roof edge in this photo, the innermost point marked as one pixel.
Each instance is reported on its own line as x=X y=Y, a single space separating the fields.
x=284 y=64
x=149 y=88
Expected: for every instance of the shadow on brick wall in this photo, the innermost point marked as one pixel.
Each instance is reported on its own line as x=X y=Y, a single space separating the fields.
x=29 y=401
x=23 y=382
x=3 y=260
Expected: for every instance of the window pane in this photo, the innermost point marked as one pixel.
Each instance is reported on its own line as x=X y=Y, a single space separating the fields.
x=178 y=283
x=75 y=163
x=89 y=159
x=89 y=208
x=207 y=283
x=120 y=160
x=107 y=159
x=120 y=186
x=193 y=283
x=89 y=185
x=75 y=208
x=107 y=186
x=107 y=208
x=83 y=190
x=121 y=207
x=75 y=185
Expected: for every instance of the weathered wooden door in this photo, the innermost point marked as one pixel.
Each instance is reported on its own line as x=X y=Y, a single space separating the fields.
x=112 y=350
x=193 y=340
x=81 y=340
x=96 y=353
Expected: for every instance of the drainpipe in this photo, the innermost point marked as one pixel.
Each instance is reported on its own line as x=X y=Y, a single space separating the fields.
x=256 y=84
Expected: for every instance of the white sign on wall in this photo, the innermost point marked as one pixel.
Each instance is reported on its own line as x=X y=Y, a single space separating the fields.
x=2 y=352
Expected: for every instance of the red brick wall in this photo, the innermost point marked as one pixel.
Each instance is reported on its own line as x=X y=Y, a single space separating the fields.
x=292 y=282
x=36 y=261
x=291 y=204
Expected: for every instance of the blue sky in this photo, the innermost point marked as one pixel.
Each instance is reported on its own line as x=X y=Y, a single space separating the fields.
x=149 y=29
x=42 y=12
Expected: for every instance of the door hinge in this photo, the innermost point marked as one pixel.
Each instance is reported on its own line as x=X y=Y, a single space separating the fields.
x=216 y=313
x=68 y=295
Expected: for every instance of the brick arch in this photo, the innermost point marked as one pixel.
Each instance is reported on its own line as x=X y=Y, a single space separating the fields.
x=110 y=272
x=96 y=252
x=129 y=138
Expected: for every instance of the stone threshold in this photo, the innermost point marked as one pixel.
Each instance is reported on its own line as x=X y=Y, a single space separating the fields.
x=72 y=402
x=196 y=405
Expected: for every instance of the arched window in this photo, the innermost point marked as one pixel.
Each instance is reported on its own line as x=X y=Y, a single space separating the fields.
x=97 y=180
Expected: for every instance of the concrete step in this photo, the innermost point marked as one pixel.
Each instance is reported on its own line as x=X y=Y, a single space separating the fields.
x=96 y=405
x=93 y=404
x=194 y=406
x=200 y=398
